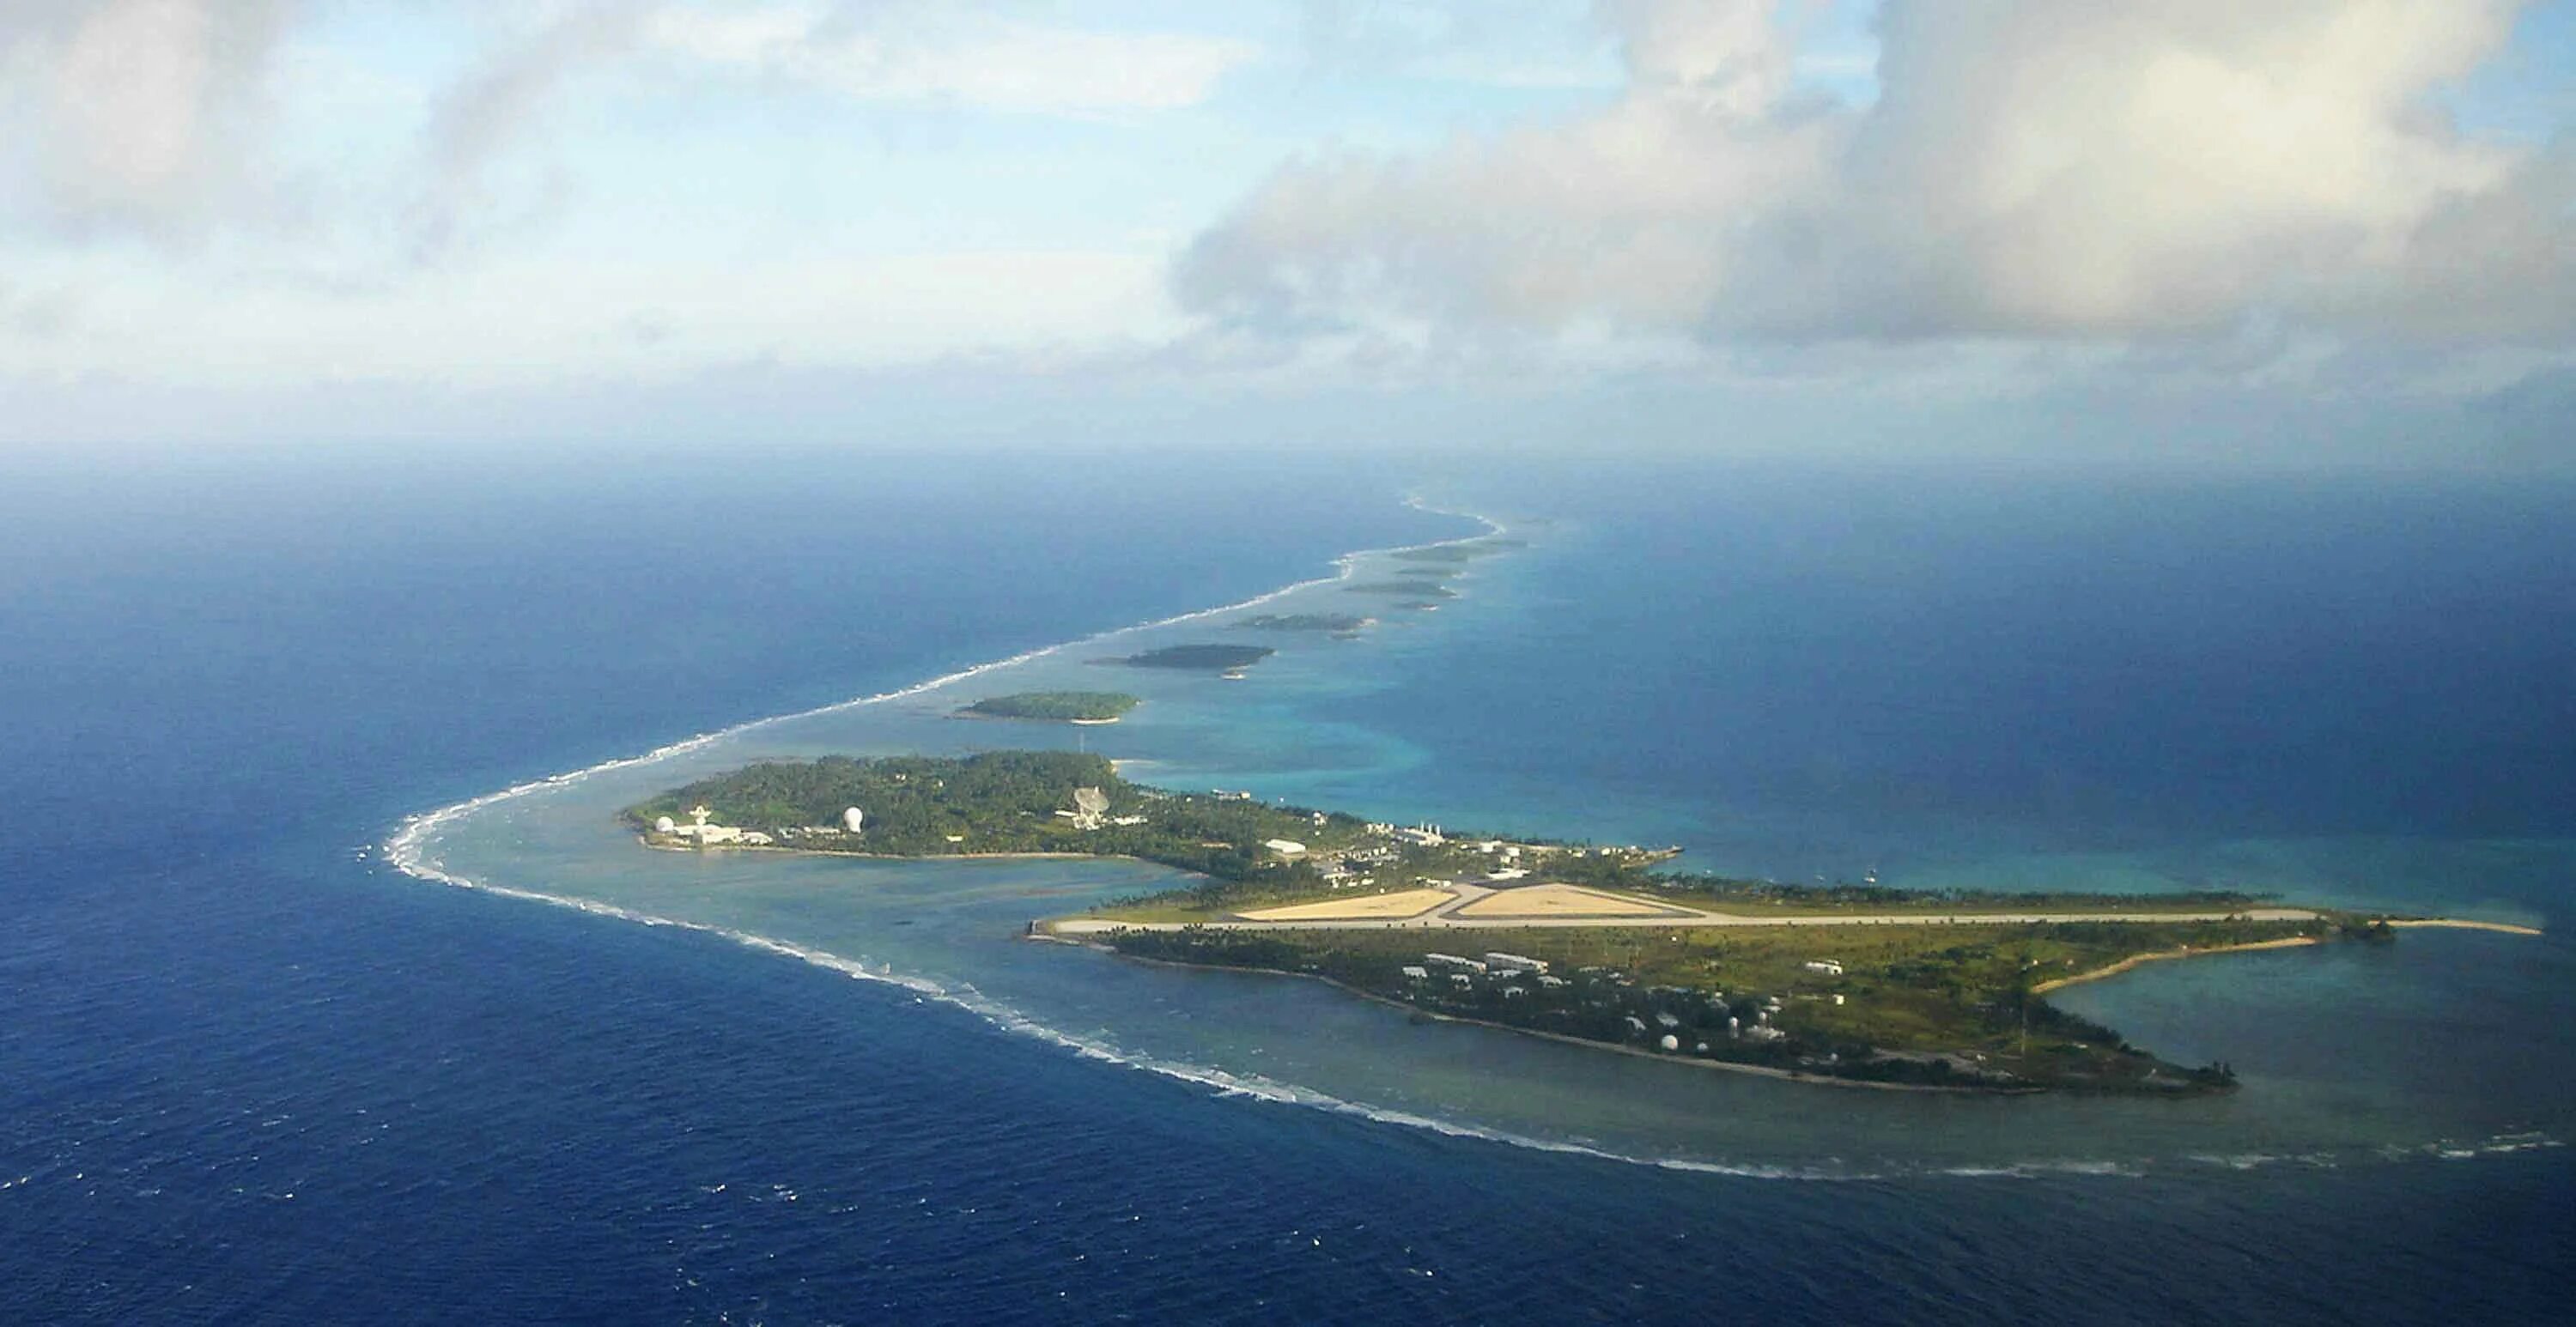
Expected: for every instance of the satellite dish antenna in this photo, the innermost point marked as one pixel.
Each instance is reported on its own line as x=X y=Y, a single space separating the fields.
x=1090 y=801
x=853 y=818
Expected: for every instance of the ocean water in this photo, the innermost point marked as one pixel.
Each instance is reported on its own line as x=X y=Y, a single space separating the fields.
x=251 y=1072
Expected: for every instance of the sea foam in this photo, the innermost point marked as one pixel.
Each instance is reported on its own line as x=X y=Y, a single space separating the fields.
x=408 y=849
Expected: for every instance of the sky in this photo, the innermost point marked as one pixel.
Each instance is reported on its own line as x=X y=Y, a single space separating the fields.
x=2294 y=229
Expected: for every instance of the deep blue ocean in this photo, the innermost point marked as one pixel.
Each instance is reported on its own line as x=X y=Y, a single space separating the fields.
x=249 y=1075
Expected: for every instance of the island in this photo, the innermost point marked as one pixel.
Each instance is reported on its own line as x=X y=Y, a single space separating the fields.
x=1450 y=554
x=1339 y=624
x=1851 y=984
x=1088 y=707
x=1211 y=658
x=1409 y=589
x=1460 y=552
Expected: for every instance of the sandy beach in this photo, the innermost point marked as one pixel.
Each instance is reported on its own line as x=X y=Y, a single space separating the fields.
x=1683 y=1061
x=2161 y=955
x=2464 y=924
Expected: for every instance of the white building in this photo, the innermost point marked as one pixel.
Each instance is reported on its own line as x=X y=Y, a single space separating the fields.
x=1502 y=962
x=1285 y=847
x=1826 y=966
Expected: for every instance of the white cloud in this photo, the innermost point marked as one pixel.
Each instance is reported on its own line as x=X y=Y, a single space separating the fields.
x=2031 y=168
x=531 y=319
x=162 y=115
x=480 y=117
x=131 y=112
x=946 y=55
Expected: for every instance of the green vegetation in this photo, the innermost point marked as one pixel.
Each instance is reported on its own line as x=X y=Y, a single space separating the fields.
x=1338 y=623
x=1720 y=894
x=1009 y=802
x=1411 y=589
x=1935 y=1003
x=1221 y=658
x=1060 y=706
x=1932 y=1005
x=1462 y=552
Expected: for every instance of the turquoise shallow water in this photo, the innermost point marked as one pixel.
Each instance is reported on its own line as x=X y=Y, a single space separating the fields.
x=250 y=1075
x=2445 y=1044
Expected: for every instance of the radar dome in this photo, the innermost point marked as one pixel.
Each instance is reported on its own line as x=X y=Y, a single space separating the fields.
x=663 y=825
x=852 y=819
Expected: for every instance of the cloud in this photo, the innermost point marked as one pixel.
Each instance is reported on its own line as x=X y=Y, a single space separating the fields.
x=947 y=55
x=871 y=52
x=483 y=114
x=2030 y=169
x=36 y=315
x=157 y=115
x=133 y=113
x=1513 y=44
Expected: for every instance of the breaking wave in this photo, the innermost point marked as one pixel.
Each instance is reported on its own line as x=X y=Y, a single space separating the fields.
x=408 y=851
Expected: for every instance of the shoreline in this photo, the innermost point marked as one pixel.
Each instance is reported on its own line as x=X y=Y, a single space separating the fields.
x=1025 y=718
x=2463 y=924
x=407 y=850
x=2135 y=961
x=1724 y=1066
x=2293 y=942
x=647 y=841
x=1046 y=931
x=403 y=849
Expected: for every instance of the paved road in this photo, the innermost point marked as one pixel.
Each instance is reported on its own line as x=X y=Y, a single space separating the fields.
x=1440 y=919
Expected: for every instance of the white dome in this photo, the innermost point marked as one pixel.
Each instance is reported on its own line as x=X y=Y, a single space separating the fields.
x=1670 y=1042
x=852 y=819
x=664 y=825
